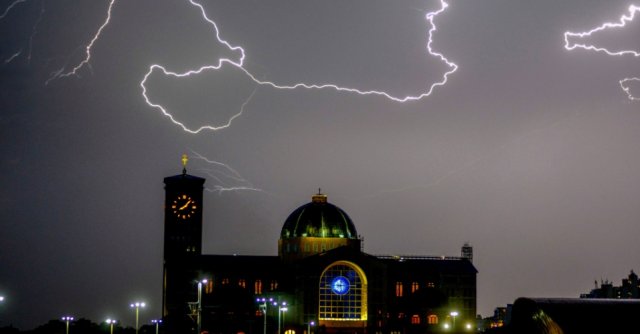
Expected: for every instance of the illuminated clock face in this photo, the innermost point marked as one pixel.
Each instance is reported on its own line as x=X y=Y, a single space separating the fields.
x=184 y=206
x=340 y=285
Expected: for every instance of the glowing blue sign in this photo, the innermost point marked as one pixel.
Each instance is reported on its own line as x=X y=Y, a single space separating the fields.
x=340 y=285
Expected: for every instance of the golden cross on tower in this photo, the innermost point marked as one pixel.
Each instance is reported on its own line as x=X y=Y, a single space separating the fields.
x=184 y=159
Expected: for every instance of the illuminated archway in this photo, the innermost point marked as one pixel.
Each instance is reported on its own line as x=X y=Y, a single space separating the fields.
x=343 y=293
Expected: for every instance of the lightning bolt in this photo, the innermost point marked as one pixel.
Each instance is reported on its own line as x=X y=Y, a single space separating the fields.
x=624 y=19
x=60 y=73
x=626 y=89
x=13 y=4
x=10 y=59
x=224 y=175
x=239 y=64
x=34 y=31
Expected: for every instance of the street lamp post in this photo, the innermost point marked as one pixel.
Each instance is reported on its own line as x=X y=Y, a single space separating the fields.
x=110 y=322
x=282 y=307
x=66 y=319
x=137 y=306
x=263 y=308
x=157 y=323
x=454 y=314
x=199 y=309
x=309 y=324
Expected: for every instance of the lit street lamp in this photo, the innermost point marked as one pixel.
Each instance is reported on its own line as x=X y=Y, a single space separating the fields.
x=282 y=307
x=156 y=322
x=137 y=306
x=110 y=322
x=263 y=309
x=309 y=324
x=199 y=310
x=454 y=314
x=67 y=319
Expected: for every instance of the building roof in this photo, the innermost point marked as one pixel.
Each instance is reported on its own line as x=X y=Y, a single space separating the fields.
x=320 y=219
x=183 y=177
x=452 y=265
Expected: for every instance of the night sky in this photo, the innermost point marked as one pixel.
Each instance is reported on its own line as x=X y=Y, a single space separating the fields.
x=529 y=151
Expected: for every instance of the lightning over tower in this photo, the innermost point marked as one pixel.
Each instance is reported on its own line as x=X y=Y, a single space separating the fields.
x=239 y=64
x=226 y=178
x=74 y=71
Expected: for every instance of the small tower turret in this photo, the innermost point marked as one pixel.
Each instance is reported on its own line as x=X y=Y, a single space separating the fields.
x=467 y=251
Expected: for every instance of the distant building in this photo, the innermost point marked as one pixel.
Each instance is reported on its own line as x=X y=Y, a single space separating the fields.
x=630 y=289
x=499 y=319
x=571 y=315
x=328 y=283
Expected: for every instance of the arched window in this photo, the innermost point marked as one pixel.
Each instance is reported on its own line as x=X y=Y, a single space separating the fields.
x=432 y=319
x=257 y=287
x=343 y=292
x=398 y=289
x=415 y=319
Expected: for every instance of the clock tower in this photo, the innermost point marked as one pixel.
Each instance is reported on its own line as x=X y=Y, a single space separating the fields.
x=183 y=214
x=182 y=243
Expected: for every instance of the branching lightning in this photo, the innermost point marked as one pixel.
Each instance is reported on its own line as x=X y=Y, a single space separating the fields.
x=74 y=71
x=228 y=179
x=624 y=19
x=239 y=64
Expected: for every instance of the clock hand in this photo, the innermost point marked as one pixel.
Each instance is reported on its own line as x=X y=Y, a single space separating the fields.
x=185 y=206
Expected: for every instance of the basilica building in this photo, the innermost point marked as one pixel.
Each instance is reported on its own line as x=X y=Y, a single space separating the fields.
x=321 y=281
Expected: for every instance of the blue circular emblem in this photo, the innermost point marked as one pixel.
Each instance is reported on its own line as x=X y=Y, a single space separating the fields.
x=340 y=285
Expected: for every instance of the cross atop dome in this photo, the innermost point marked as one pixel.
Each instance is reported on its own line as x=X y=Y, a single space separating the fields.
x=184 y=159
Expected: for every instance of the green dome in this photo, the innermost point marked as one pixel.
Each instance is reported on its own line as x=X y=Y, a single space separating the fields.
x=318 y=219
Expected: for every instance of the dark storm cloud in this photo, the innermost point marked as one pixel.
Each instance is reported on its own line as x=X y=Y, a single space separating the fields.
x=529 y=151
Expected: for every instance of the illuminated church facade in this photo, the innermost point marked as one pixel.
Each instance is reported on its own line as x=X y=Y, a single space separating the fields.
x=321 y=280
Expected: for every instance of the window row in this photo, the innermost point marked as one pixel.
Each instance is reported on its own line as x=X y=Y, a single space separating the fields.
x=257 y=285
x=415 y=286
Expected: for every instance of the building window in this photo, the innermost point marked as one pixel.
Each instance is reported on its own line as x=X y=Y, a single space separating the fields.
x=208 y=288
x=415 y=319
x=431 y=285
x=343 y=292
x=257 y=287
x=414 y=287
x=274 y=285
x=398 y=289
x=225 y=281
x=432 y=319
x=242 y=283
